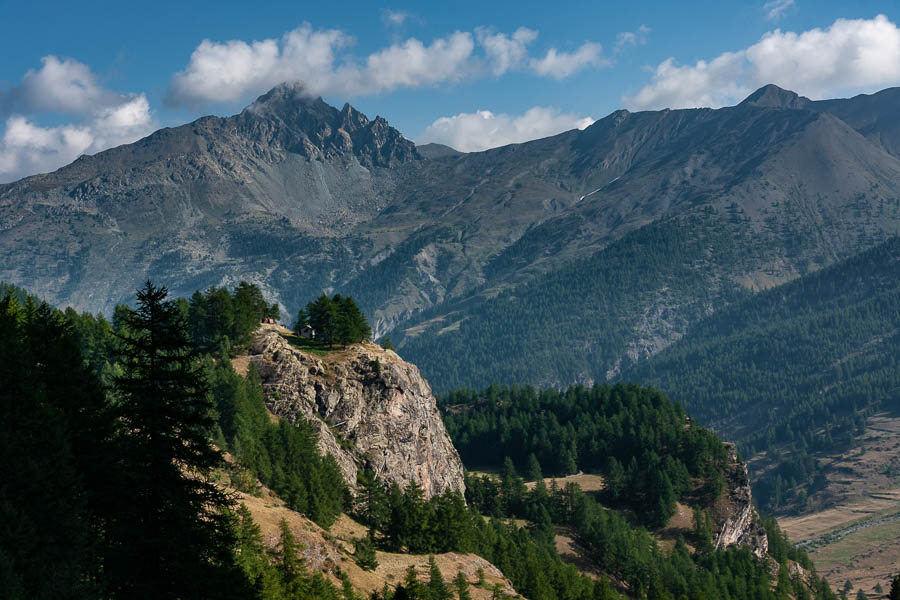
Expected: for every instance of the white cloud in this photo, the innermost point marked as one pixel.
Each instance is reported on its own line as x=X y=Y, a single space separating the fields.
x=776 y=8
x=66 y=86
x=394 y=18
x=483 y=129
x=26 y=148
x=560 y=65
x=226 y=71
x=637 y=37
x=505 y=52
x=713 y=83
x=409 y=64
x=61 y=85
x=233 y=70
x=852 y=55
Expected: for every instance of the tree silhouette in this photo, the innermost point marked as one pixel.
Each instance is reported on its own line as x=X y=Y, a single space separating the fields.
x=173 y=539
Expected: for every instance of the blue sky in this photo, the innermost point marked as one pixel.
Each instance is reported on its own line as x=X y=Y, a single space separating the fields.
x=80 y=77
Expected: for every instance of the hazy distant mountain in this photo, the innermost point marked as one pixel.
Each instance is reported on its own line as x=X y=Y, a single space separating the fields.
x=561 y=259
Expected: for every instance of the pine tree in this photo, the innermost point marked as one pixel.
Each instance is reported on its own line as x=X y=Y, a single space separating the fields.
x=411 y=584
x=355 y=323
x=253 y=558
x=290 y=565
x=895 y=588
x=172 y=537
x=437 y=589
x=371 y=502
x=347 y=587
x=533 y=468
x=364 y=553
x=462 y=587
x=302 y=321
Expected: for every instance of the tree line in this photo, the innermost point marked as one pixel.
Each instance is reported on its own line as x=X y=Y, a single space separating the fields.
x=630 y=557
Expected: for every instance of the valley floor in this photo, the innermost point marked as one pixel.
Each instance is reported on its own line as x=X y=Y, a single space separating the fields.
x=857 y=538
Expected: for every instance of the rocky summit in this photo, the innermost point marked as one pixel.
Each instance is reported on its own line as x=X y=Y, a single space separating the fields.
x=372 y=411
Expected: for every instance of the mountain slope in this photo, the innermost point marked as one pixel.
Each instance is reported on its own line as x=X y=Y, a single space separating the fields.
x=683 y=253
x=299 y=197
x=797 y=368
x=195 y=204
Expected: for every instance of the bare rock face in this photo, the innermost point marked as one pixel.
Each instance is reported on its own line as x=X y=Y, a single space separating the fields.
x=734 y=515
x=372 y=410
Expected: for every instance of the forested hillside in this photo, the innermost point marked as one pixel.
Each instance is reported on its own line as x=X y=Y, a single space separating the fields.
x=640 y=441
x=126 y=472
x=795 y=370
x=666 y=460
x=549 y=331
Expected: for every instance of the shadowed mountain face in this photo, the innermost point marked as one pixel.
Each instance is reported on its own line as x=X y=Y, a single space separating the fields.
x=553 y=261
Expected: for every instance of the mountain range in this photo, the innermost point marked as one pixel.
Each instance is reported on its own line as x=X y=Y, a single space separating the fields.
x=565 y=259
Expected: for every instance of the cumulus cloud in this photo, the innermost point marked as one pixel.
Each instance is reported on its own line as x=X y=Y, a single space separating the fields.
x=506 y=52
x=409 y=64
x=60 y=85
x=483 y=129
x=776 y=8
x=560 y=65
x=713 y=83
x=638 y=37
x=65 y=86
x=228 y=71
x=850 y=56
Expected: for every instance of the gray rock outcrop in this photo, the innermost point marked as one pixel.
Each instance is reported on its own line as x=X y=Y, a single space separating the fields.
x=371 y=409
x=736 y=519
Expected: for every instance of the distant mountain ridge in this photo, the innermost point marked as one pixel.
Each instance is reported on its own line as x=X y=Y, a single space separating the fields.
x=796 y=369
x=657 y=219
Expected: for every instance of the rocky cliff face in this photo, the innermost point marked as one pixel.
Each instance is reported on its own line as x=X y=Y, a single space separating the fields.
x=736 y=520
x=372 y=410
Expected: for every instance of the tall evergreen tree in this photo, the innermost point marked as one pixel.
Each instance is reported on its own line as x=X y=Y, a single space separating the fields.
x=533 y=468
x=173 y=539
x=437 y=589
x=462 y=587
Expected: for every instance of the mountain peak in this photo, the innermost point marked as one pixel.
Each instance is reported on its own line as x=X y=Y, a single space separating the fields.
x=290 y=117
x=284 y=98
x=351 y=119
x=772 y=96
